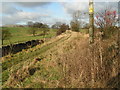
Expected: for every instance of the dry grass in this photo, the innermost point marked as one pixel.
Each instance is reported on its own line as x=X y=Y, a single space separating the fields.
x=72 y=63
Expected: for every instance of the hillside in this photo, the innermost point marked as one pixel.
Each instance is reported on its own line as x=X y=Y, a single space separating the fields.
x=22 y=34
x=66 y=61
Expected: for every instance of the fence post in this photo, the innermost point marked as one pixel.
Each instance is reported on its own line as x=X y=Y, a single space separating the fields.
x=91 y=22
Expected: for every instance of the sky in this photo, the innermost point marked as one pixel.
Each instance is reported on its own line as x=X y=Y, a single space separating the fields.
x=47 y=11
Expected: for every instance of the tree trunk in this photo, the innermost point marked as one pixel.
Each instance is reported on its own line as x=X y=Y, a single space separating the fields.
x=11 y=47
x=2 y=42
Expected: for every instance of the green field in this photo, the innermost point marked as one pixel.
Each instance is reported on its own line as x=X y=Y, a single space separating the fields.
x=21 y=34
x=27 y=56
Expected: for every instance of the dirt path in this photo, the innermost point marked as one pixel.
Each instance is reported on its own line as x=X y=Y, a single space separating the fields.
x=72 y=56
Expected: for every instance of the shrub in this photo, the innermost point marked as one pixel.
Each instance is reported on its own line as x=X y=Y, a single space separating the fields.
x=106 y=21
x=62 y=29
x=110 y=31
x=75 y=26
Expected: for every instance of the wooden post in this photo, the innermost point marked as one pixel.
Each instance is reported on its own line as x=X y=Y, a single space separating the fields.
x=91 y=22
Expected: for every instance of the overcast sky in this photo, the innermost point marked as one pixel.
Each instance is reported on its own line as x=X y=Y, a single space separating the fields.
x=47 y=11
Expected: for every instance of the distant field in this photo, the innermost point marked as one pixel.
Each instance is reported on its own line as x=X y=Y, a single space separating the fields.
x=20 y=34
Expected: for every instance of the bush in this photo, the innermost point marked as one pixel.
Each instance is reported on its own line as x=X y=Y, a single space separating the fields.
x=110 y=31
x=62 y=29
x=75 y=26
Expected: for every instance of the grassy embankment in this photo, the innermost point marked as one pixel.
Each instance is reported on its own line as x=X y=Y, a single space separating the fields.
x=66 y=61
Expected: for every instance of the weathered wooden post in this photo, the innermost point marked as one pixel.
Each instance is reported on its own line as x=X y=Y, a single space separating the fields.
x=91 y=22
x=91 y=39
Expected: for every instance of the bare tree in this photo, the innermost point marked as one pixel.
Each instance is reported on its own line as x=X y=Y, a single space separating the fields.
x=75 y=23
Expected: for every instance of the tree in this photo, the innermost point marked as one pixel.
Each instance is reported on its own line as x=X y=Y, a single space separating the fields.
x=106 y=21
x=30 y=23
x=32 y=31
x=56 y=25
x=6 y=35
x=75 y=26
x=34 y=27
x=75 y=23
x=38 y=25
x=45 y=29
x=62 y=29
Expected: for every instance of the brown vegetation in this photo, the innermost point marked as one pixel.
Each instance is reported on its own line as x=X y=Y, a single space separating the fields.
x=73 y=63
